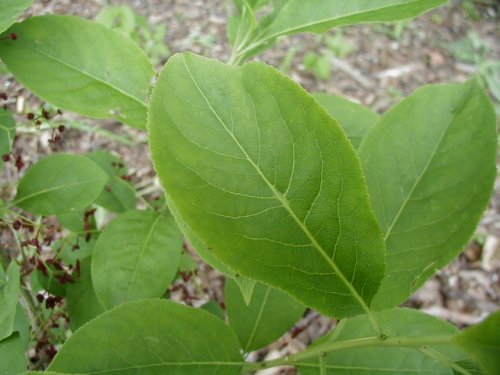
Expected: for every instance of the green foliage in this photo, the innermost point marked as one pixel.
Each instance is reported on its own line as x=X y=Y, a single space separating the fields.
x=152 y=337
x=262 y=179
x=10 y=10
x=355 y=119
x=136 y=256
x=61 y=50
x=267 y=316
x=483 y=344
x=417 y=165
x=9 y=291
x=150 y=38
x=192 y=129
x=119 y=195
x=385 y=360
x=7 y=133
x=82 y=301
x=59 y=184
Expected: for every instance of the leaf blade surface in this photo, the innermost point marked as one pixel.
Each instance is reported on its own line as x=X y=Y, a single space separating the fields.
x=136 y=256
x=232 y=134
x=111 y=81
x=430 y=164
x=60 y=183
x=151 y=337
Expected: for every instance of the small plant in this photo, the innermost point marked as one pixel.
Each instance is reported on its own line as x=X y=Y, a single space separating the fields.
x=302 y=201
x=151 y=38
x=475 y=51
x=320 y=64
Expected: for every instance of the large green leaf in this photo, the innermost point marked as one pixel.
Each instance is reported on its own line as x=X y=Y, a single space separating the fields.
x=266 y=318
x=119 y=195
x=430 y=164
x=136 y=256
x=10 y=10
x=7 y=133
x=482 y=342
x=387 y=360
x=60 y=183
x=151 y=337
x=354 y=118
x=267 y=180
x=81 y=301
x=321 y=15
x=12 y=355
x=10 y=288
x=81 y=66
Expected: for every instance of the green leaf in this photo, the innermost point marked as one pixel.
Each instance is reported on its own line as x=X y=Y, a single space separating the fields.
x=119 y=195
x=265 y=319
x=75 y=221
x=321 y=15
x=151 y=337
x=252 y=163
x=10 y=10
x=74 y=247
x=12 y=355
x=10 y=287
x=430 y=164
x=387 y=360
x=482 y=343
x=60 y=183
x=354 y=118
x=7 y=132
x=111 y=81
x=118 y=17
x=136 y=256
x=81 y=300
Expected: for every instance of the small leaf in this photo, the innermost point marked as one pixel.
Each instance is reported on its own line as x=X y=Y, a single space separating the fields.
x=253 y=163
x=265 y=319
x=151 y=337
x=482 y=343
x=7 y=133
x=60 y=183
x=119 y=195
x=136 y=256
x=10 y=10
x=12 y=355
x=74 y=247
x=430 y=164
x=387 y=360
x=81 y=300
x=111 y=81
x=354 y=118
x=10 y=287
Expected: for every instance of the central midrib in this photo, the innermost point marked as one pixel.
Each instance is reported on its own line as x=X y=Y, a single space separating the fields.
x=58 y=187
x=425 y=168
x=85 y=73
x=141 y=254
x=283 y=201
x=259 y=317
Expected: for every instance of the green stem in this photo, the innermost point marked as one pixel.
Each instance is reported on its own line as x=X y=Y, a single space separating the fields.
x=321 y=350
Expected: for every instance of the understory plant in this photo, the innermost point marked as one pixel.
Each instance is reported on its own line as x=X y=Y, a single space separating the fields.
x=303 y=201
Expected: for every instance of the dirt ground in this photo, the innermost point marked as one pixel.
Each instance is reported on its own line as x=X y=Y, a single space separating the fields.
x=388 y=63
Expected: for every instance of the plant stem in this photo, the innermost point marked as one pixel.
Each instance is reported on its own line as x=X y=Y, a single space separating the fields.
x=321 y=350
